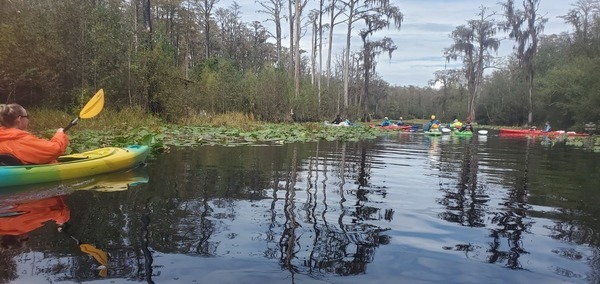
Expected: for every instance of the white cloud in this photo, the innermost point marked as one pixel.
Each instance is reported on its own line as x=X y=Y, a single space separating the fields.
x=424 y=33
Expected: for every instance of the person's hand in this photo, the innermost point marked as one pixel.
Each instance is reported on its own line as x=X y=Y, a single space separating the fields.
x=60 y=130
x=61 y=227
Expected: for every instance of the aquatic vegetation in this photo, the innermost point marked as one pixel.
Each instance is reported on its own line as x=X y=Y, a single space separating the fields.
x=161 y=137
x=591 y=143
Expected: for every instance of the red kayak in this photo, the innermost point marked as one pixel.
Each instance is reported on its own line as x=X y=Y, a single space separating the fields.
x=527 y=132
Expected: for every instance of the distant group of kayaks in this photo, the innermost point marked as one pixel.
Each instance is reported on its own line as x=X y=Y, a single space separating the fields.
x=501 y=132
x=431 y=132
x=457 y=132
x=454 y=132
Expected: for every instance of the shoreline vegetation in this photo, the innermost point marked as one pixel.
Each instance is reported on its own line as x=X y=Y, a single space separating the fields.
x=134 y=126
x=57 y=54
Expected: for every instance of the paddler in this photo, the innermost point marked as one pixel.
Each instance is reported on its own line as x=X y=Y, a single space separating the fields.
x=23 y=146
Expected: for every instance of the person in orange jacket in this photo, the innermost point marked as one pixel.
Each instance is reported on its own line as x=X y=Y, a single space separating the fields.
x=24 y=146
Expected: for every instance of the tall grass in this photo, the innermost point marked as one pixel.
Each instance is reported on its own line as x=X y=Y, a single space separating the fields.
x=231 y=119
x=42 y=120
x=46 y=120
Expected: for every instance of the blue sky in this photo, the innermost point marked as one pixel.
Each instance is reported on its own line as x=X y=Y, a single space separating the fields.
x=424 y=33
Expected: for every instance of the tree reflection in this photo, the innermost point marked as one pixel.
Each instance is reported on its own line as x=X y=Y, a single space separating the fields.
x=192 y=205
x=346 y=249
x=145 y=241
x=510 y=223
x=346 y=252
x=288 y=240
x=312 y=209
x=466 y=204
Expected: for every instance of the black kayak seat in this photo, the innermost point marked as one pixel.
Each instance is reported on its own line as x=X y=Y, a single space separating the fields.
x=9 y=160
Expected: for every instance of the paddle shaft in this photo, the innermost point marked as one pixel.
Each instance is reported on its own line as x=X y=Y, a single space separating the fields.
x=63 y=229
x=71 y=124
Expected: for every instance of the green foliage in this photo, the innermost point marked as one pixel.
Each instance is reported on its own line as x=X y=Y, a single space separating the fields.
x=306 y=106
x=57 y=53
x=29 y=52
x=571 y=92
x=591 y=143
x=273 y=95
x=505 y=99
x=162 y=137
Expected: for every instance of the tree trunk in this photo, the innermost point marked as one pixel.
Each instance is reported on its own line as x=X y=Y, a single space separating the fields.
x=530 y=115
x=153 y=104
x=367 y=67
x=320 y=69
x=313 y=57
x=330 y=39
x=346 y=66
x=297 y=49
x=291 y=59
x=206 y=30
x=278 y=38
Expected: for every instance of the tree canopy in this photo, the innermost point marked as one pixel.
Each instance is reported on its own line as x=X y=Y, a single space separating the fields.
x=190 y=57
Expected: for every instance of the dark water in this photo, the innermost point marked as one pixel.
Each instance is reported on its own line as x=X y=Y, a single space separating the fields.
x=400 y=209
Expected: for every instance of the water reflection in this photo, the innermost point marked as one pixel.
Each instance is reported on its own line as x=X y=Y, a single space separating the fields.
x=310 y=227
x=512 y=222
x=18 y=220
x=30 y=215
x=466 y=203
x=288 y=239
x=348 y=248
x=348 y=212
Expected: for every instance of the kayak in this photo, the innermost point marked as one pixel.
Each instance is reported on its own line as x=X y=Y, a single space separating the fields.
x=393 y=127
x=327 y=123
x=98 y=161
x=462 y=133
x=527 y=132
x=433 y=133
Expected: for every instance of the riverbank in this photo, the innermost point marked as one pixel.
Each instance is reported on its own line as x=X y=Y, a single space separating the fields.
x=134 y=126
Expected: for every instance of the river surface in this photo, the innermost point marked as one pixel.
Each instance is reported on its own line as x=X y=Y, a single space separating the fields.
x=403 y=208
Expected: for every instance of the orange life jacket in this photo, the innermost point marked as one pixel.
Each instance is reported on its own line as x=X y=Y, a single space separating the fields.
x=30 y=149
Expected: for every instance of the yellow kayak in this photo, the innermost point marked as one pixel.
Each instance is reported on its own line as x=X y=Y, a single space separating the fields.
x=99 y=161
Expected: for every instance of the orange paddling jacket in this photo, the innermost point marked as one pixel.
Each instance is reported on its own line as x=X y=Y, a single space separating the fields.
x=30 y=149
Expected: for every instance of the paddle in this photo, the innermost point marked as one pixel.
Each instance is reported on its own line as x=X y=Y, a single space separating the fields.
x=99 y=255
x=91 y=109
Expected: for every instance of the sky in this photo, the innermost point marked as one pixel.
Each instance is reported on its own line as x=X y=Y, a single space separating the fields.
x=424 y=34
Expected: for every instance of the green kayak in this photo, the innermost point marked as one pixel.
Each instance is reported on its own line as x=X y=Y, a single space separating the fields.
x=433 y=133
x=99 y=161
x=462 y=133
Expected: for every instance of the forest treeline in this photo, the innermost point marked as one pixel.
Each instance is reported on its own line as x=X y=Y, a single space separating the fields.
x=177 y=59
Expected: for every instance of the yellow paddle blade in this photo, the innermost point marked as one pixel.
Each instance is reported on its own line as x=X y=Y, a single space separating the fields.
x=103 y=273
x=100 y=256
x=94 y=106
